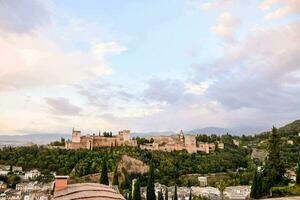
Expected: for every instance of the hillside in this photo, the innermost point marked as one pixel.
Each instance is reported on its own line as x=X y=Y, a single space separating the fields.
x=291 y=128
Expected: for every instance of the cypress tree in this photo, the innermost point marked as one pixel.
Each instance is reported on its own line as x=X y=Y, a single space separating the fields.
x=104 y=175
x=175 y=193
x=256 y=188
x=298 y=174
x=166 y=194
x=136 y=191
x=190 y=197
x=126 y=183
x=116 y=177
x=160 y=195
x=150 y=184
x=274 y=170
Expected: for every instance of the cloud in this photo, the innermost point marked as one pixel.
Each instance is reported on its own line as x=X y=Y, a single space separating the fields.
x=107 y=49
x=164 y=90
x=62 y=106
x=34 y=61
x=226 y=26
x=260 y=72
x=216 y=4
x=287 y=7
x=23 y=16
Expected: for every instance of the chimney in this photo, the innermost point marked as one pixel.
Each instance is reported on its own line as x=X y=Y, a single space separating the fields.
x=61 y=182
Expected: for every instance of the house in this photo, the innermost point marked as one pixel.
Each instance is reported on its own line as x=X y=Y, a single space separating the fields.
x=3 y=196
x=202 y=181
x=291 y=142
x=3 y=185
x=13 y=195
x=4 y=170
x=291 y=174
x=17 y=169
x=237 y=192
x=32 y=174
x=236 y=142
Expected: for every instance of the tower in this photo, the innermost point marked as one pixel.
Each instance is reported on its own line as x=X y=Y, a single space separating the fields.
x=181 y=136
x=76 y=136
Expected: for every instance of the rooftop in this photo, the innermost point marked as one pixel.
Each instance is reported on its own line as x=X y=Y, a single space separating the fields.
x=91 y=191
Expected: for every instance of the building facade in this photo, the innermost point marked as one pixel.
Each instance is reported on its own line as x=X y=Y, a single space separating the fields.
x=180 y=142
x=92 y=141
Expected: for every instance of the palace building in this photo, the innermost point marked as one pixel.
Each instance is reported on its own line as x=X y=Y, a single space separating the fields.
x=92 y=141
x=180 y=142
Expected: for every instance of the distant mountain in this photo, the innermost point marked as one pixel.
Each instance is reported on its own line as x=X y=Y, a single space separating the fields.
x=207 y=130
x=210 y=130
x=153 y=133
x=19 y=140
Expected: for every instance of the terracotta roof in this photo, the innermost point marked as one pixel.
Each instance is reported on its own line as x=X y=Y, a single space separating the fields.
x=89 y=191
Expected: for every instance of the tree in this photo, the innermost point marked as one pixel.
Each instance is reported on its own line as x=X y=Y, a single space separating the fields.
x=190 y=197
x=116 y=177
x=126 y=183
x=136 y=191
x=166 y=194
x=175 y=197
x=104 y=175
x=221 y=185
x=274 y=169
x=257 y=184
x=150 y=184
x=160 y=195
x=298 y=174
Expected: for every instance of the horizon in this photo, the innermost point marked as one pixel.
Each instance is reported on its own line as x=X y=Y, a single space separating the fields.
x=148 y=66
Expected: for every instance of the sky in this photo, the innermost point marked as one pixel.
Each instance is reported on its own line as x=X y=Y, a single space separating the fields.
x=148 y=65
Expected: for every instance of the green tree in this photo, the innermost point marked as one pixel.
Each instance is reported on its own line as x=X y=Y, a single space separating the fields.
x=126 y=183
x=175 y=197
x=257 y=185
x=221 y=185
x=104 y=175
x=136 y=191
x=166 y=194
x=116 y=177
x=150 y=184
x=160 y=195
x=298 y=174
x=274 y=169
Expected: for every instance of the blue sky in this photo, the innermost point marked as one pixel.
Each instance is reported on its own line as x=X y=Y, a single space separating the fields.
x=148 y=65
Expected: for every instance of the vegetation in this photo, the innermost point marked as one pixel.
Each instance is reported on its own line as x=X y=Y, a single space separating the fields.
x=62 y=142
x=298 y=174
x=115 y=180
x=175 y=196
x=150 y=184
x=281 y=191
x=136 y=191
x=104 y=175
x=257 y=185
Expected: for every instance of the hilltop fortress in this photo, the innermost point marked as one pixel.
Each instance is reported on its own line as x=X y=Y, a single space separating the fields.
x=91 y=141
x=160 y=143
x=180 y=142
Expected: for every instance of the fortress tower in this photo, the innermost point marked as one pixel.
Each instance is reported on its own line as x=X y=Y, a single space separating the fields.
x=125 y=135
x=76 y=136
x=181 y=136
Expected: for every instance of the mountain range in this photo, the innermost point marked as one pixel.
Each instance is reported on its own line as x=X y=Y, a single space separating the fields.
x=17 y=140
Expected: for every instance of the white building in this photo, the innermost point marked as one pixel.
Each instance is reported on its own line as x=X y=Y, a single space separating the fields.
x=4 y=170
x=32 y=174
x=202 y=181
x=237 y=192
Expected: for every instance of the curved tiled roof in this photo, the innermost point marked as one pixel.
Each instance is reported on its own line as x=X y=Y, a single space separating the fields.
x=91 y=191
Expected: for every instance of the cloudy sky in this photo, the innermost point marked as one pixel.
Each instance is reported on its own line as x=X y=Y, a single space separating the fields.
x=148 y=65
